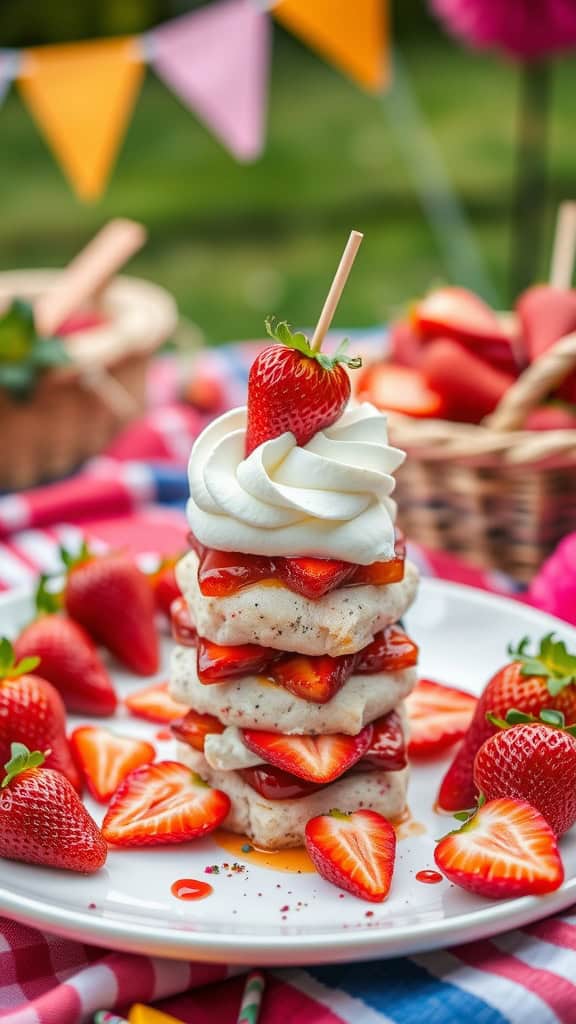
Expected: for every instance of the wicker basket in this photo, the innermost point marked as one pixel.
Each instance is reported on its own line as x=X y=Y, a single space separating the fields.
x=77 y=410
x=500 y=496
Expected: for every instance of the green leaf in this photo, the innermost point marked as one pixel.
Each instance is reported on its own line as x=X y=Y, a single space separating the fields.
x=516 y=717
x=47 y=601
x=18 y=379
x=16 y=332
x=51 y=352
x=552 y=661
x=9 y=669
x=281 y=332
x=21 y=760
x=6 y=655
x=551 y=717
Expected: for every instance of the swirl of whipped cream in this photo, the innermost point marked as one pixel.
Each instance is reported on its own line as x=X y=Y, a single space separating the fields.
x=329 y=498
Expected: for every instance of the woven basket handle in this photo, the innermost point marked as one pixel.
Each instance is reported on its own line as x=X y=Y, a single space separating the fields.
x=533 y=385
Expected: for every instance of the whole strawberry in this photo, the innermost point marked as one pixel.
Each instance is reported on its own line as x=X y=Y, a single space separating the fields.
x=534 y=761
x=32 y=712
x=293 y=388
x=68 y=659
x=112 y=599
x=530 y=683
x=42 y=820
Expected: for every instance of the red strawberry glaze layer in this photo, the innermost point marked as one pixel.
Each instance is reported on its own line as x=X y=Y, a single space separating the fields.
x=223 y=573
x=316 y=679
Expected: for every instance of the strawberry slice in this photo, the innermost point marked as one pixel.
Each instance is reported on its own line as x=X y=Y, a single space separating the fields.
x=216 y=662
x=399 y=389
x=193 y=728
x=355 y=851
x=222 y=573
x=390 y=651
x=182 y=627
x=556 y=416
x=546 y=314
x=380 y=574
x=274 y=783
x=314 y=577
x=313 y=678
x=458 y=313
x=105 y=759
x=506 y=849
x=404 y=344
x=387 y=750
x=313 y=758
x=439 y=716
x=470 y=387
x=155 y=704
x=163 y=803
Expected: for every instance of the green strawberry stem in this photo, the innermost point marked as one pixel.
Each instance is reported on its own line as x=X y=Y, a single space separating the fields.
x=552 y=661
x=548 y=716
x=21 y=760
x=281 y=331
x=336 y=289
x=9 y=669
x=47 y=601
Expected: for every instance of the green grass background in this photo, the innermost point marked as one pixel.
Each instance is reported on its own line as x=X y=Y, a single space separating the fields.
x=235 y=243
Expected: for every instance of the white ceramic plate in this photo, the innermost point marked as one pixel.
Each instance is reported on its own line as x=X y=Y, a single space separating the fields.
x=267 y=916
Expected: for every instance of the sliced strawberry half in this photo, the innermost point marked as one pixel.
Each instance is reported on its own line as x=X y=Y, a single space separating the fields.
x=506 y=849
x=439 y=716
x=163 y=803
x=355 y=851
x=316 y=679
x=380 y=574
x=274 y=783
x=313 y=758
x=165 y=585
x=216 y=662
x=399 y=389
x=387 y=750
x=105 y=759
x=222 y=573
x=193 y=728
x=314 y=577
x=390 y=651
x=457 y=313
x=155 y=704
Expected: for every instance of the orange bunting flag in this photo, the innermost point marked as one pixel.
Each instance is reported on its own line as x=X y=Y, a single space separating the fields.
x=81 y=95
x=353 y=36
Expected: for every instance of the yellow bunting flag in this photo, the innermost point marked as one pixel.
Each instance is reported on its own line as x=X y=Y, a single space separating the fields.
x=81 y=96
x=354 y=36
x=140 y=1014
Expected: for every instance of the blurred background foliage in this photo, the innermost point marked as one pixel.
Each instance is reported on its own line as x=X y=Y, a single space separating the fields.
x=235 y=243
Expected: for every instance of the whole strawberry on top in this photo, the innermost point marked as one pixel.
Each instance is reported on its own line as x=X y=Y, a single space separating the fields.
x=529 y=683
x=293 y=387
x=532 y=760
x=42 y=820
x=112 y=599
x=68 y=658
x=32 y=712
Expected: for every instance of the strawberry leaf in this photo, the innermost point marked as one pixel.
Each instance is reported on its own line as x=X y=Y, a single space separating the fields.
x=552 y=661
x=24 y=354
x=47 y=601
x=8 y=667
x=281 y=332
x=21 y=760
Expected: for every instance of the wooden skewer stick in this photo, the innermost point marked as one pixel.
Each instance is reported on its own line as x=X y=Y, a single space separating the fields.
x=88 y=272
x=564 y=247
x=336 y=289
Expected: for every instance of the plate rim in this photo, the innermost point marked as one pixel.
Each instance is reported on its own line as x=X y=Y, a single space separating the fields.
x=315 y=947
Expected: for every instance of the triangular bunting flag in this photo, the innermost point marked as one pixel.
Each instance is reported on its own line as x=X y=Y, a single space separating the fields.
x=216 y=60
x=81 y=96
x=352 y=35
x=9 y=61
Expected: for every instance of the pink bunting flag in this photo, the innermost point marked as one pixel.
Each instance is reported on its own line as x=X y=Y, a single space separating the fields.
x=216 y=60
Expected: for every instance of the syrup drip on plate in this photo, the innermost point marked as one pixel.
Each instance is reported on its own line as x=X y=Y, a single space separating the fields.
x=429 y=877
x=190 y=889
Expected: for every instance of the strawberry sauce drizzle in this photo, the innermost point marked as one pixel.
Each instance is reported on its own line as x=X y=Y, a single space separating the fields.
x=190 y=889
x=429 y=877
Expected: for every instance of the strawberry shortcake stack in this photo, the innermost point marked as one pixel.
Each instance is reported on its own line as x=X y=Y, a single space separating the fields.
x=290 y=653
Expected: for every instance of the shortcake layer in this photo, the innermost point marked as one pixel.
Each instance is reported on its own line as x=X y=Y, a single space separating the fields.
x=277 y=824
x=226 y=751
x=253 y=702
x=342 y=622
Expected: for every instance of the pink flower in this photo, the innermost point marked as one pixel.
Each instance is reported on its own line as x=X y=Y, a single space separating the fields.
x=554 y=588
x=524 y=29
